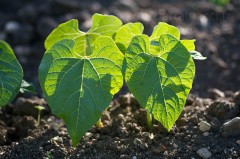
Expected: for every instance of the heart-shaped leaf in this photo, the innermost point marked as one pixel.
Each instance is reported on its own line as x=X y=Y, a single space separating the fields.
x=78 y=88
x=125 y=34
x=105 y=25
x=11 y=74
x=160 y=81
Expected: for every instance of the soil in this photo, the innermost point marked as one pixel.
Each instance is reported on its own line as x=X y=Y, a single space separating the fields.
x=124 y=133
x=209 y=126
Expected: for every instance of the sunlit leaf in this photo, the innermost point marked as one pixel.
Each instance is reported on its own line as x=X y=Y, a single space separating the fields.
x=160 y=81
x=11 y=74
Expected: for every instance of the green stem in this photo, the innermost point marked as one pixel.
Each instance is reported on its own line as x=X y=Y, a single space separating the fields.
x=38 y=119
x=149 y=121
x=99 y=123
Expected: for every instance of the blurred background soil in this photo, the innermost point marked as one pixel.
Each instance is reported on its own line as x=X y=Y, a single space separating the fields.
x=25 y=24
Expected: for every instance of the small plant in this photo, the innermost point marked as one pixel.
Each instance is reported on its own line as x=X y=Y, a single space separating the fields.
x=39 y=108
x=49 y=155
x=220 y=2
x=80 y=72
x=11 y=74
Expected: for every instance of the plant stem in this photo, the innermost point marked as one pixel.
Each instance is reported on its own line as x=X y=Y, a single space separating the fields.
x=39 y=108
x=149 y=120
x=99 y=123
x=38 y=119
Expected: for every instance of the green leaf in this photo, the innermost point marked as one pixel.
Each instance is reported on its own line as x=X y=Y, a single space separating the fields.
x=189 y=44
x=67 y=30
x=160 y=82
x=125 y=34
x=164 y=28
x=79 y=88
x=161 y=29
x=220 y=2
x=11 y=74
x=197 y=55
x=106 y=25
x=27 y=87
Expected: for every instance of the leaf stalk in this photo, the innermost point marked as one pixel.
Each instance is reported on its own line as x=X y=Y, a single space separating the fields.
x=99 y=123
x=149 y=120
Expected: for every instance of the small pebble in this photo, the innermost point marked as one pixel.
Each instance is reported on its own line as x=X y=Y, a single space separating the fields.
x=137 y=141
x=145 y=17
x=238 y=142
x=237 y=97
x=203 y=20
x=12 y=26
x=148 y=135
x=40 y=148
x=204 y=153
x=232 y=127
x=205 y=133
x=123 y=156
x=215 y=93
x=56 y=138
x=134 y=157
x=198 y=102
x=120 y=117
x=88 y=135
x=223 y=109
x=165 y=153
x=175 y=146
x=151 y=136
x=204 y=126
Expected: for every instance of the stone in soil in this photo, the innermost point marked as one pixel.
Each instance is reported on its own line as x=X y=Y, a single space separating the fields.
x=237 y=98
x=3 y=132
x=204 y=153
x=126 y=5
x=238 y=142
x=232 y=127
x=25 y=106
x=205 y=133
x=204 y=126
x=12 y=27
x=24 y=125
x=223 y=109
x=215 y=93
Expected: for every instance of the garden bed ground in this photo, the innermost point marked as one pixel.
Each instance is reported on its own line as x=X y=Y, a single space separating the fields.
x=25 y=24
x=125 y=134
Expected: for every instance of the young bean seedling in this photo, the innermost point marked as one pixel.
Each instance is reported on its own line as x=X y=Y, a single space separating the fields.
x=81 y=71
x=39 y=108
